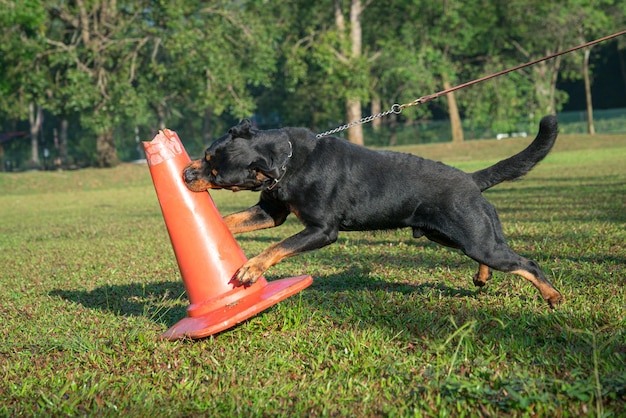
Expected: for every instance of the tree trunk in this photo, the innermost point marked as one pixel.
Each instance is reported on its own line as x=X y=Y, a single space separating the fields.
x=356 y=34
x=207 y=131
x=376 y=108
x=353 y=104
x=453 y=110
x=544 y=88
x=355 y=134
x=35 y=119
x=161 y=116
x=590 y=126
x=393 y=133
x=622 y=65
x=63 y=142
x=105 y=148
x=353 y=114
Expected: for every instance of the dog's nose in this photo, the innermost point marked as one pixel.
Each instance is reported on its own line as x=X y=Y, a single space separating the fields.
x=188 y=175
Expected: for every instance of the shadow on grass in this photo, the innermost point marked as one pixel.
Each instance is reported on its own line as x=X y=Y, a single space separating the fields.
x=163 y=302
x=413 y=304
x=417 y=313
x=166 y=302
x=358 y=279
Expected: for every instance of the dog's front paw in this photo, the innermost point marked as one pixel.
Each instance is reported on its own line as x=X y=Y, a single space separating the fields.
x=248 y=274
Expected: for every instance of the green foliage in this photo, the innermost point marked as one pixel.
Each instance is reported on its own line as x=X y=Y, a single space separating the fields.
x=198 y=67
x=22 y=82
x=391 y=326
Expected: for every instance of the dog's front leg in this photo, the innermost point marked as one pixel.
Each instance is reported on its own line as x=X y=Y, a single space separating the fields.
x=252 y=219
x=307 y=240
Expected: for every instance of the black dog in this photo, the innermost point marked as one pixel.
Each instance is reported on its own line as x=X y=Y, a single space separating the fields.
x=332 y=185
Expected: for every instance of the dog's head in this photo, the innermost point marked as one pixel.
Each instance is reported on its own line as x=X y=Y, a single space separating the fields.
x=243 y=159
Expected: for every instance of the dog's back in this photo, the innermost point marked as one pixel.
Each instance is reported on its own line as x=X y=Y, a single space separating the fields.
x=365 y=189
x=379 y=167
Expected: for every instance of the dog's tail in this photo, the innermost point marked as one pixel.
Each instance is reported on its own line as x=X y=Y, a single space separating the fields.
x=518 y=165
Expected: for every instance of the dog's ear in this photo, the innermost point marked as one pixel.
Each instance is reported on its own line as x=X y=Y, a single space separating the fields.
x=243 y=130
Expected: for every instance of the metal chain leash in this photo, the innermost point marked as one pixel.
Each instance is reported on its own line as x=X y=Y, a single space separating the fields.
x=397 y=108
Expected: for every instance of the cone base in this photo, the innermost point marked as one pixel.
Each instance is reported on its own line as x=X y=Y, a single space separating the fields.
x=235 y=312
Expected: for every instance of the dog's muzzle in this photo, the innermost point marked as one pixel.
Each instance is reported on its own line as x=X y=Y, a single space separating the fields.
x=189 y=175
x=194 y=179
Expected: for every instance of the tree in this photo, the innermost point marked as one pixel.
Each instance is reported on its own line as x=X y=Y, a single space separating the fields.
x=25 y=78
x=349 y=54
x=95 y=43
x=591 y=21
x=331 y=64
x=205 y=59
x=327 y=60
x=402 y=72
x=460 y=36
x=309 y=85
x=536 y=29
x=107 y=67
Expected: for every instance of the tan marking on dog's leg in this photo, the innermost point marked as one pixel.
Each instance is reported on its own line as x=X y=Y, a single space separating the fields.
x=549 y=293
x=483 y=274
x=256 y=266
x=244 y=222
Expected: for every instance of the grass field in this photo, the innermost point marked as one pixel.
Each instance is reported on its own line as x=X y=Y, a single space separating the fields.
x=390 y=327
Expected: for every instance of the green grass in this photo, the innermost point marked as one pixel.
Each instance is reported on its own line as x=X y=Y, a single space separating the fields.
x=391 y=326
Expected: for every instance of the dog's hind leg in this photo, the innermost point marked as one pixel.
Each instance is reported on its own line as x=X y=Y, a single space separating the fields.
x=484 y=272
x=534 y=274
x=481 y=238
x=482 y=275
x=504 y=259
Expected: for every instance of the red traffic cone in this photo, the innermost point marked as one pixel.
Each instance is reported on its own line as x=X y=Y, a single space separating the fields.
x=208 y=255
